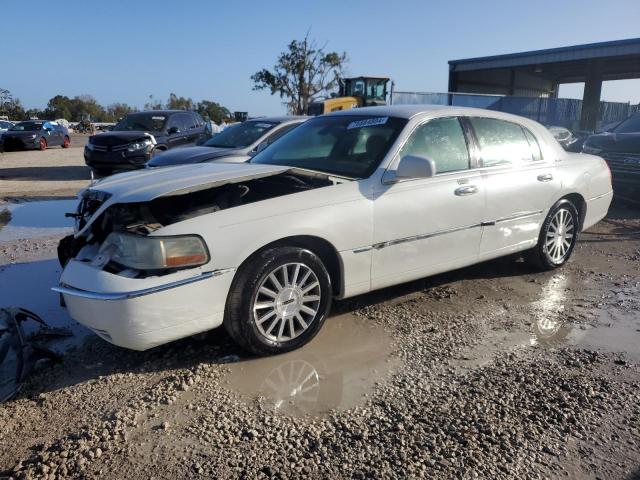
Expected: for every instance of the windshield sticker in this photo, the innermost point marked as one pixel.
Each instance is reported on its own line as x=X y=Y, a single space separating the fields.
x=158 y=118
x=369 y=122
x=264 y=125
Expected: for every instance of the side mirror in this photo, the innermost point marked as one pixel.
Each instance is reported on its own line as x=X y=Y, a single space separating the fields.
x=258 y=149
x=173 y=130
x=415 y=166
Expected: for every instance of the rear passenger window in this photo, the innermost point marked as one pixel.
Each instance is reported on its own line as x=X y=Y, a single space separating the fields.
x=536 y=153
x=501 y=142
x=443 y=141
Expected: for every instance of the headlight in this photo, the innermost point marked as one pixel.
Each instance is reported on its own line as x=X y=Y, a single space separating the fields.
x=591 y=150
x=155 y=253
x=32 y=136
x=138 y=145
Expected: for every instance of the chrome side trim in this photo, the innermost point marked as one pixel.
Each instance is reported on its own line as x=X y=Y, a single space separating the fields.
x=518 y=216
x=600 y=196
x=362 y=249
x=77 y=292
x=424 y=236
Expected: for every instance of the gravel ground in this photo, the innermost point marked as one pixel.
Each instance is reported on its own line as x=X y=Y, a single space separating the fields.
x=493 y=371
x=56 y=172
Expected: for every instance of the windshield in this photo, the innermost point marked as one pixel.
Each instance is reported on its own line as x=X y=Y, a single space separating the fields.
x=346 y=145
x=630 y=125
x=146 y=122
x=240 y=135
x=27 y=127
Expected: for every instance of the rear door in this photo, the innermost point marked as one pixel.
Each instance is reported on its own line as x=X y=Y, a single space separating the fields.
x=429 y=225
x=192 y=128
x=520 y=185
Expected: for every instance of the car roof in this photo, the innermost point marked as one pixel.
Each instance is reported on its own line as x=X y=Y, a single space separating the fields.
x=280 y=119
x=162 y=112
x=411 y=111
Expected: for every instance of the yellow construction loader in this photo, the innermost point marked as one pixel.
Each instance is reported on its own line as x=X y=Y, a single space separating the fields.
x=354 y=92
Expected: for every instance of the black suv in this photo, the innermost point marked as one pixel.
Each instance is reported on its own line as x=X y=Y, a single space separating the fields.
x=141 y=135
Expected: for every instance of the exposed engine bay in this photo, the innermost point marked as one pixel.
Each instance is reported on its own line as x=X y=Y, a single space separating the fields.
x=145 y=217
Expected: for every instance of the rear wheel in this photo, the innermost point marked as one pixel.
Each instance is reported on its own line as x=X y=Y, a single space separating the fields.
x=557 y=238
x=42 y=145
x=278 y=301
x=66 y=142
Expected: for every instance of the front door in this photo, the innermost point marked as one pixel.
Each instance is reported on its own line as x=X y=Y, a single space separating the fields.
x=425 y=226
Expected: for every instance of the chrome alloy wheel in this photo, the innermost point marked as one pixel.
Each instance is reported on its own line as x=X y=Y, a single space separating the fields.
x=559 y=235
x=287 y=302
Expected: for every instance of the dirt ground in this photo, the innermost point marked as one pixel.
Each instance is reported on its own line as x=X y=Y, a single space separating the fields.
x=492 y=371
x=56 y=172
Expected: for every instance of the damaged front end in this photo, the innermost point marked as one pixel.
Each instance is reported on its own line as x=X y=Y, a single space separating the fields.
x=117 y=238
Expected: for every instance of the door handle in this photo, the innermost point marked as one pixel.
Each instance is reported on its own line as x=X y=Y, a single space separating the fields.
x=545 y=177
x=466 y=190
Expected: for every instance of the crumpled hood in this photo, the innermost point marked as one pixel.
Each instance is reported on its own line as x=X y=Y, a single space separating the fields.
x=180 y=156
x=616 y=142
x=145 y=185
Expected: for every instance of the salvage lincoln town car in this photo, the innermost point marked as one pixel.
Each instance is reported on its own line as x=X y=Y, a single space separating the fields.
x=344 y=204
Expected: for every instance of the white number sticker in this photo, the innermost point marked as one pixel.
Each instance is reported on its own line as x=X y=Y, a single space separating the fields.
x=369 y=122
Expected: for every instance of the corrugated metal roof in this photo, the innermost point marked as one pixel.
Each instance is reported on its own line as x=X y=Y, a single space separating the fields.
x=614 y=48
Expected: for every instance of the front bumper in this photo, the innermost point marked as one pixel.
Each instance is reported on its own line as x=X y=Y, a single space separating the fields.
x=116 y=160
x=142 y=313
x=10 y=143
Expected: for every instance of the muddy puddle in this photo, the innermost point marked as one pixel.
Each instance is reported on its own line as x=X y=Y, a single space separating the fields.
x=551 y=322
x=35 y=219
x=28 y=285
x=335 y=371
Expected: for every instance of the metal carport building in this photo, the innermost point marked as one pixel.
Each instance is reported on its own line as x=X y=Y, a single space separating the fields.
x=539 y=73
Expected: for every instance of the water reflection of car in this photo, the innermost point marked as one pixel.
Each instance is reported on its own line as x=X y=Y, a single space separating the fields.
x=237 y=143
x=620 y=147
x=346 y=203
x=140 y=136
x=36 y=134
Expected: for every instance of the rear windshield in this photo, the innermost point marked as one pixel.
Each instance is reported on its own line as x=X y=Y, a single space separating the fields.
x=240 y=135
x=146 y=122
x=27 y=127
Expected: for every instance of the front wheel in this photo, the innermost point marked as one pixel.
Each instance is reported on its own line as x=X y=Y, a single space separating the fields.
x=278 y=301
x=42 y=145
x=558 y=237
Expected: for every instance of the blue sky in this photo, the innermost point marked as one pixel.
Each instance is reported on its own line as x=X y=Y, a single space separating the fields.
x=127 y=50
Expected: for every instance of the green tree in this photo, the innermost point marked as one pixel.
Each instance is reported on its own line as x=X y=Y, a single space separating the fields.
x=10 y=106
x=179 y=103
x=153 y=104
x=212 y=110
x=302 y=74
x=59 y=107
x=116 y=111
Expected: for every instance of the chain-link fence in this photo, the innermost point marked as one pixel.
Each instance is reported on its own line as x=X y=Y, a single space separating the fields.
x=563 y=112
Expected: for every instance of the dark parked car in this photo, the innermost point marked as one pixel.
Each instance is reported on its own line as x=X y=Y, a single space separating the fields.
x=35 y=134
x=142 y=135
x=236 y=143
x=620 y=147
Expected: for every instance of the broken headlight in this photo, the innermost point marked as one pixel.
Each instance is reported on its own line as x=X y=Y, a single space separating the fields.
x=155 y=253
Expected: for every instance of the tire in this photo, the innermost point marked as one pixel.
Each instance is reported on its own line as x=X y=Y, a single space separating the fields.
x=262 y=322
x=42 y=145
x=66 y=142
x=555 y=247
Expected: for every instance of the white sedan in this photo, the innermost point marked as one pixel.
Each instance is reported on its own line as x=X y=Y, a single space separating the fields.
x=345 y=204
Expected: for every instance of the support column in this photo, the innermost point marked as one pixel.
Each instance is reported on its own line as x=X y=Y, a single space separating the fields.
x=591 y=97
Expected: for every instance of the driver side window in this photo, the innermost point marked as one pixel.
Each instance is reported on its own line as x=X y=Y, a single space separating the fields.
x=441 y=140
